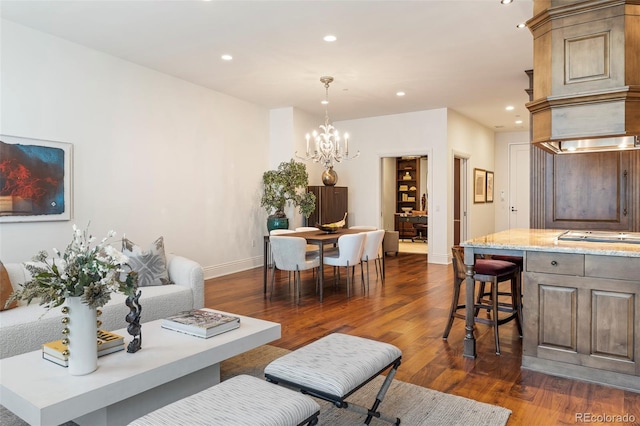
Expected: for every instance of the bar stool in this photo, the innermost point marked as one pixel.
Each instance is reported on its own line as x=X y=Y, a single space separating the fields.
x=519 y=262
x=493 y=272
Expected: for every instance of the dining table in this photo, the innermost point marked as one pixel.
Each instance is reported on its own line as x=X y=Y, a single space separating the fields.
x=319 y=238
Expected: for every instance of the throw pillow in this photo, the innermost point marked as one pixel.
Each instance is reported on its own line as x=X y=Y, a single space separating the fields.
x=151 y=265
x=5 y=289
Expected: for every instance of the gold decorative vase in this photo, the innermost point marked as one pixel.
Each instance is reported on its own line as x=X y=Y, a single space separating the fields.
x=329 y=177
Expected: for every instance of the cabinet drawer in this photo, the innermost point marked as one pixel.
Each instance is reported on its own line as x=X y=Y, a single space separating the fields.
x=614 y=267
x=556 y=263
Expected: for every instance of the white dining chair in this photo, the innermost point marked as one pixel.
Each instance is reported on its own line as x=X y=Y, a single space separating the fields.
x=310 y=247
x=348 y=255
x=278 y=232
x=281 y=231
x=373 y=251
x=289 y=254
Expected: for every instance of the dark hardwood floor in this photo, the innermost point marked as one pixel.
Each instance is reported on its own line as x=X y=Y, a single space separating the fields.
x=410 y=311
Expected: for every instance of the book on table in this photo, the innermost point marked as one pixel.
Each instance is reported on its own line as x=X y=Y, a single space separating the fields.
x=201 y=322
x=107 y=342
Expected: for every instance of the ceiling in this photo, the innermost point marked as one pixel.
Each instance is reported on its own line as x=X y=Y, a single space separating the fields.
x=466 y=55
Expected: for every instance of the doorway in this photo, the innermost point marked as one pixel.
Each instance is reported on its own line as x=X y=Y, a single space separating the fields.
x=459 y=199
x=393 y=188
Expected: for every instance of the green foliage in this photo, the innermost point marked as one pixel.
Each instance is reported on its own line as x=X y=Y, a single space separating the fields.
x=91 y=272
x=287 y=184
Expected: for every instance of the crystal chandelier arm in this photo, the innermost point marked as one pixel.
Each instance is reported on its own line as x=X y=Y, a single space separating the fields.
x=327 y=142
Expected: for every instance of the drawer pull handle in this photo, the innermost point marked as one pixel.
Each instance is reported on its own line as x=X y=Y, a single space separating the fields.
x=554 y=263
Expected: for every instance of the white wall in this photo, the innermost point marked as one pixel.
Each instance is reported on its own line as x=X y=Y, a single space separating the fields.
x=477 y=143
x=153 y=155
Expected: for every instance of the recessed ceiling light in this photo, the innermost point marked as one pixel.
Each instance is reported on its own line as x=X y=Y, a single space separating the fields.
x=509 y=108
x=324 y=102
x=226 y=57
x=506 y=1
x=400 y=94
x=518 y=121
x=330 y=38
x=521 y=25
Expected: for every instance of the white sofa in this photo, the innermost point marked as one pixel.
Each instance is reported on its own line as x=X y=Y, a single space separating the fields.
x=26 y=327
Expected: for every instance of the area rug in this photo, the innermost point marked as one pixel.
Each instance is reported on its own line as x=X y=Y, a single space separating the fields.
x=414 y=405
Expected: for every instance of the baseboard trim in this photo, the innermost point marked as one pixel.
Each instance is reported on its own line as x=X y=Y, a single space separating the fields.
x=232 y=267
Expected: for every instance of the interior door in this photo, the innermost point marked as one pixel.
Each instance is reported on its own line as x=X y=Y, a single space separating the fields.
x=460 y=197
x=519 y=155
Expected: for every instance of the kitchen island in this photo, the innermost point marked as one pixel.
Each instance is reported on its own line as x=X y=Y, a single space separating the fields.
x=581 y=302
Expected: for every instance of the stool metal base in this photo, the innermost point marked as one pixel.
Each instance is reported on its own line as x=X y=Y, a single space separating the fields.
x=339 y=400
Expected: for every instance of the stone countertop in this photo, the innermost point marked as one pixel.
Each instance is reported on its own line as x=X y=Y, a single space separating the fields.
x=547 y=240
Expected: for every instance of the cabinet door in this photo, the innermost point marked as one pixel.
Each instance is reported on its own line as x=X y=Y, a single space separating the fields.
x=331 y=204
x=584 y=321
x=588 y=191
x=334 y=204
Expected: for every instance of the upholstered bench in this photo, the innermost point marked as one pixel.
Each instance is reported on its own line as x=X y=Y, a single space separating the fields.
x=240 y=401
x=335 y=366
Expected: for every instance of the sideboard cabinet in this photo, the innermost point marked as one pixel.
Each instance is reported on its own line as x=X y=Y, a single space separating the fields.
x=331 y=204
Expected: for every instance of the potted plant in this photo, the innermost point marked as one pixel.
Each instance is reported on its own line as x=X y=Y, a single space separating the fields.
x=286 y=185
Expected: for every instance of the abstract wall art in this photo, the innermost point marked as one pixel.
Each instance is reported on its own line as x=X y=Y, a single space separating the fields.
x=35 y=180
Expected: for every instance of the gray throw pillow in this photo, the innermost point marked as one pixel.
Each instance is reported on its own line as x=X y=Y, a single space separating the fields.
x=151 y=266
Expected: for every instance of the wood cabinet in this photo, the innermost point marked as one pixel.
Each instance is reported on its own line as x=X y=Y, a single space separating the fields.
x=598 y=190
x=581 y=316
x=405 y=229
x=587 y=75
x=332 y=203
x=588 y=191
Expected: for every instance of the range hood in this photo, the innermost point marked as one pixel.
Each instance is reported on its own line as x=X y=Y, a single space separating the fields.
x=586 y=75
x=570 y=146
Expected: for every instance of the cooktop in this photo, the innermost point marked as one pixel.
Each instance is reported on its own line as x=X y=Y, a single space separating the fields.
x=601 y=236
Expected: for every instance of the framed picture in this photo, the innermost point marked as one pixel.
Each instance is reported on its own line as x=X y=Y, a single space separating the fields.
x=35 y=180
x=479 y=185
x=489 y=187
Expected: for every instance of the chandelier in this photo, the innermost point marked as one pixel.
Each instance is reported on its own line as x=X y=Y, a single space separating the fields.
x=324 y=147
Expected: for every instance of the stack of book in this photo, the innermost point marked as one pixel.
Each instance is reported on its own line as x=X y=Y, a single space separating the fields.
x=201 y=323
x=107 y=342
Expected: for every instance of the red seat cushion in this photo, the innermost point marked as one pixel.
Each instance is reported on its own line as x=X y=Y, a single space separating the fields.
x=513 y=259
x=494 y=267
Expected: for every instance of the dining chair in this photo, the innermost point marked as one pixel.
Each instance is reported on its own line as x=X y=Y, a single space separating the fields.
x=306 y=228
x=310 y=247
x=373 y=251
x=281 y=231
x=289 y=254
x=278 y=232
x=348 y=255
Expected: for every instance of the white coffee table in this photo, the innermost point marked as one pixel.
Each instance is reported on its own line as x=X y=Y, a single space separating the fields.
x=125 y=386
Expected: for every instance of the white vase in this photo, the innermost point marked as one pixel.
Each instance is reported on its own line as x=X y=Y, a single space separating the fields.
x=83 y=343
